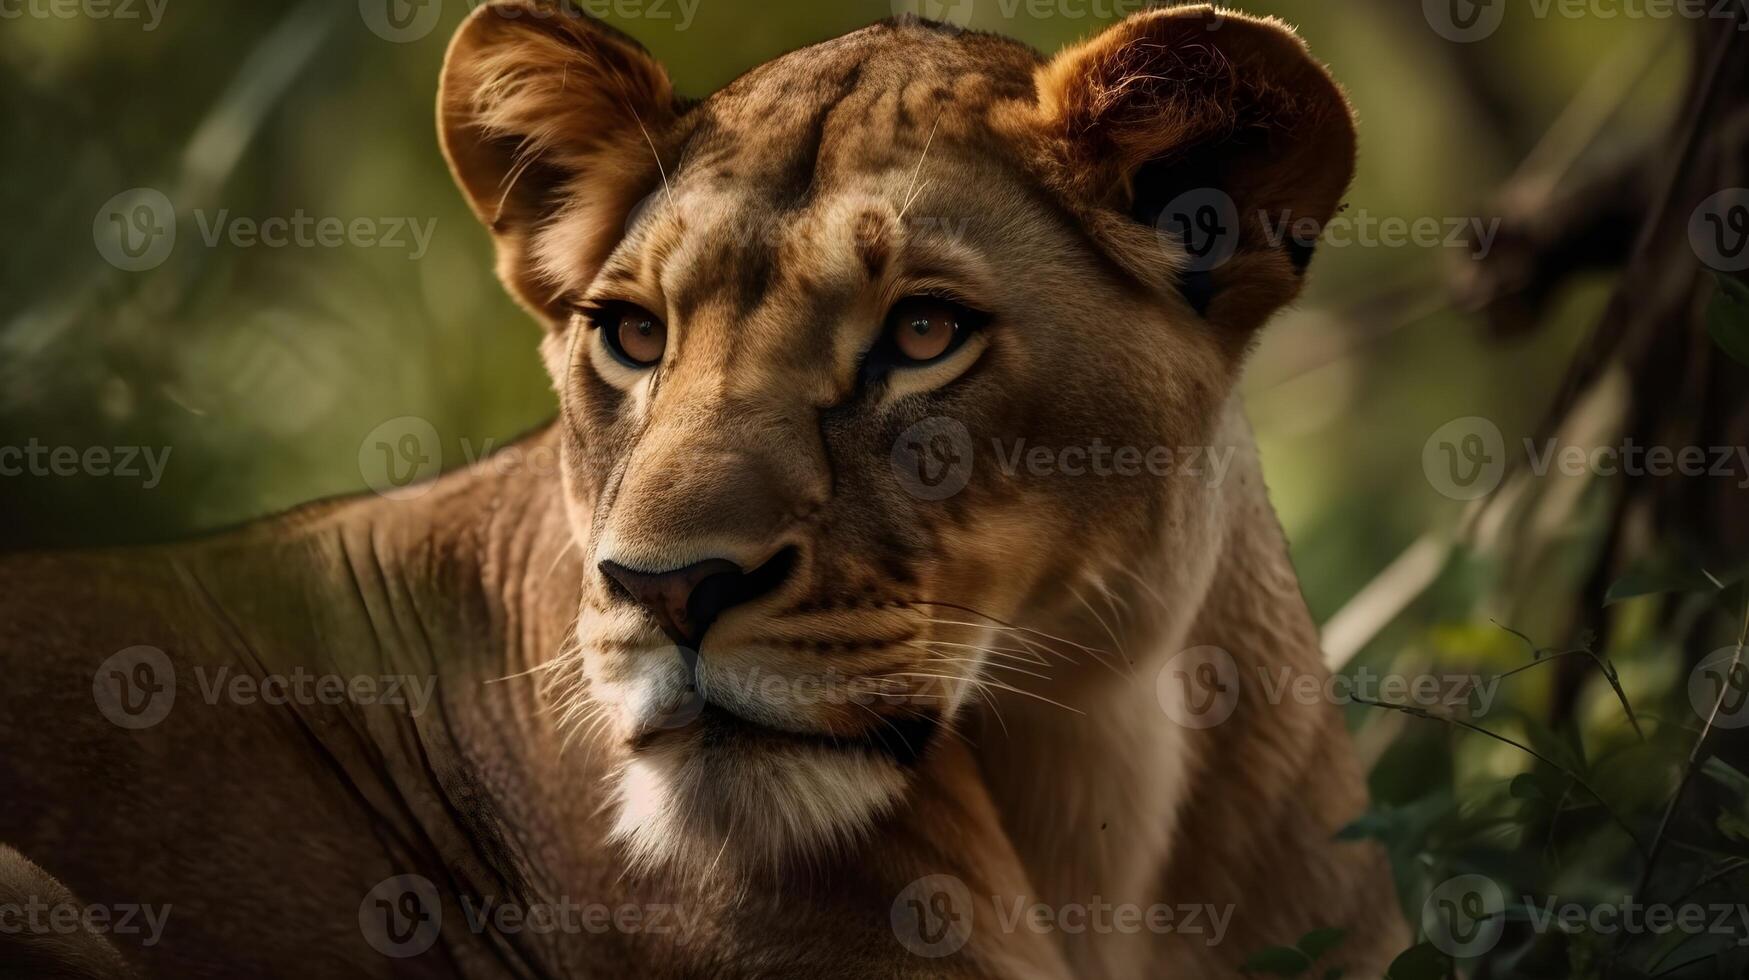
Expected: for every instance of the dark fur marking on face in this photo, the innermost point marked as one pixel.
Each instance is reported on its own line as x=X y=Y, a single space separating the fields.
x=795 y=184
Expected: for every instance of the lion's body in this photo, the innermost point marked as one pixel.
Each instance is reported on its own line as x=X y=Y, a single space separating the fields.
x=1033 y=622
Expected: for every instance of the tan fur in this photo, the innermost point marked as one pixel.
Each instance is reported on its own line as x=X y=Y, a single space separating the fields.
x=1017 y=628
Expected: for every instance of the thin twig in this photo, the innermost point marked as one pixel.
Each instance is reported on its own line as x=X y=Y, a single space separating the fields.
x=1687 y=775
x=1545 y=760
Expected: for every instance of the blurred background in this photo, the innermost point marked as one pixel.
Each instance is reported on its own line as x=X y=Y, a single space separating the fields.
x=1522 y=258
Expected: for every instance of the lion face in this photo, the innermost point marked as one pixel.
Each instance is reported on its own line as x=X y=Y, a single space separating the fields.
x=810 y=338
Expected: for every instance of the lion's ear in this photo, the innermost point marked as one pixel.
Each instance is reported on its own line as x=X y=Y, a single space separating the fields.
x=1215 y=130
x=550 y=121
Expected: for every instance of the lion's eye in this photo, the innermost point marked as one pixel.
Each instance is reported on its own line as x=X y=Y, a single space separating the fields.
x=922 y=329
x=631 y=333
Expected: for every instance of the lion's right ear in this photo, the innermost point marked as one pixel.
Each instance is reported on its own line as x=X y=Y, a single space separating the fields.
x=551 y=121
x=1214 y=130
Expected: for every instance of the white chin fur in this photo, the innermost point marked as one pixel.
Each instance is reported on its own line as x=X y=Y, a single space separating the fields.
x=689 y=811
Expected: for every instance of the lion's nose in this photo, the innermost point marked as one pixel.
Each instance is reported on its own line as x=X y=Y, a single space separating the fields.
x=686 y=601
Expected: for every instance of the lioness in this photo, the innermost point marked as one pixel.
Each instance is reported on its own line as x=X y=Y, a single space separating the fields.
x=854 y=681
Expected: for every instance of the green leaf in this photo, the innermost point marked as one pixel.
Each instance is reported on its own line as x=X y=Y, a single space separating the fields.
x=1727 y=775
x=1727 y=318
x=1657 y=579
x=1420 y=963
x=1318 y=942
x=1280 y=961
x=1734 y=826
x=1526 y=787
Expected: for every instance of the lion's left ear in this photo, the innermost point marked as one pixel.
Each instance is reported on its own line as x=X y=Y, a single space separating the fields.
x=550 y=121
x=1211 y=129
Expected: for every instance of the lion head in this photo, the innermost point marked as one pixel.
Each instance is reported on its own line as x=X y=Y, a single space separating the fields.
x=809 y=333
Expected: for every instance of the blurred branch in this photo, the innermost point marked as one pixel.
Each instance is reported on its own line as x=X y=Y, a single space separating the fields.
x=1688 y=771
x=208 y=160
x=1582 y=782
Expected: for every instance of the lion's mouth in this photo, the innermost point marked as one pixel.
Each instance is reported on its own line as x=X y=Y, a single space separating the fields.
x=707 y=726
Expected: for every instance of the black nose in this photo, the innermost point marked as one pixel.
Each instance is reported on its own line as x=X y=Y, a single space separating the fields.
x=686 y=601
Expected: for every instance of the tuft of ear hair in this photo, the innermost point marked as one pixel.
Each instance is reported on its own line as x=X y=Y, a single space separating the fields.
x=1216 y=129
x=551 y=122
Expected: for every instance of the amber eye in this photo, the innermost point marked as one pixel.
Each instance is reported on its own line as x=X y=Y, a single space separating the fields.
x=923 y=329
x=632 y=334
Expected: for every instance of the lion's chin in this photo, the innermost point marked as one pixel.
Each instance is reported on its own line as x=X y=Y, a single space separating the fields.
x=697 y=807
